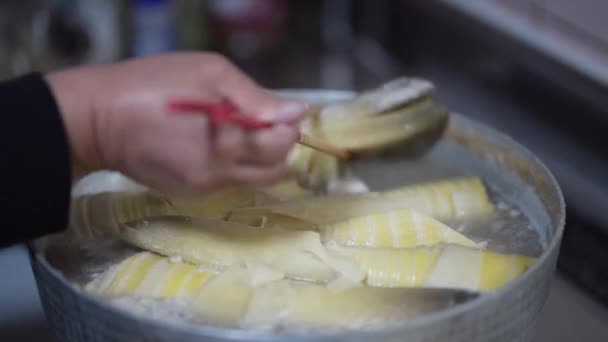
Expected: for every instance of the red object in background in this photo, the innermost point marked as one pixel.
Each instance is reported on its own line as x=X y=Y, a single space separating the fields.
x=244 y=28
x=220 y=113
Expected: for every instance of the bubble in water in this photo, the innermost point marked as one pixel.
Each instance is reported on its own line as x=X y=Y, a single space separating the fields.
x=176 y=259
x=502 y=205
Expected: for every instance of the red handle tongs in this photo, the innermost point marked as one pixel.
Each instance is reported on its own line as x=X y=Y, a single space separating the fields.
x=219 y=113
x=224 y=112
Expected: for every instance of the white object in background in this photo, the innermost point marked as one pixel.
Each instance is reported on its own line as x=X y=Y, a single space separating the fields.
x=102 y=23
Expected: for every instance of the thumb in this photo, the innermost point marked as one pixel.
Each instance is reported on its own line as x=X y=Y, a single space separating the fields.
x=252 y=99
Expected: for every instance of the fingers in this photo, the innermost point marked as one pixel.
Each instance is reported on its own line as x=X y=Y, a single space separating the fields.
x=253 y=158
x=258 y=175
x=265 y=147
x=193 y=157
x=231 y=143
x=269 y=147
x=252 y=99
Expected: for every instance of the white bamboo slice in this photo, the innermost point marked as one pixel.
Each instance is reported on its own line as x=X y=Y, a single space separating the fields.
x=365 y=124
x=393 y=94
x=101 y=214
x=388 y=129
x=291 y=304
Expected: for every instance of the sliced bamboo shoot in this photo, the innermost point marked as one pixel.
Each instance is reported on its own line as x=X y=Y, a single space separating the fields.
x=218 y=204
x=457 y=198
x=292 y=304
x=312 y=168
x=287 y=190
x=101 y=214
x=394 y=94
x=231 y=299
x=270 y=220
x=357 y=125
x=149 y=275
x=443 y=200
x=299 y=160
x=215 y=299
x=449 y=266
x=297 y=254
x=324 y=169
x=396 y=228
x=389 y=130
x=224 y=300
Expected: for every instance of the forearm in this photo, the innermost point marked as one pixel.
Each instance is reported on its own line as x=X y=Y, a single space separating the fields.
x=72 y=90
x=35 y=174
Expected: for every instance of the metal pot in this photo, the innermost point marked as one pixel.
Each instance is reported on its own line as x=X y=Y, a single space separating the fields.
x=509 y=314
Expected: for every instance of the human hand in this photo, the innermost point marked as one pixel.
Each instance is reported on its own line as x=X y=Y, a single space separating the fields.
x=116 y=118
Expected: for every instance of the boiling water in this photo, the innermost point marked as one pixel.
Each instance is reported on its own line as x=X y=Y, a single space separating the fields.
x=510 y=230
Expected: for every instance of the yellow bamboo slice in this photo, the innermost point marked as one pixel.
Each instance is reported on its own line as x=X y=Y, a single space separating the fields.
x=440 y=266
x=443 y=200
x=324 y=169
x=149 y=275
x=217 y=299
x=312 y=168
x=231 y=299
x=449 y=199
x=224 y=300
x=396 y=228
x=287 y=190
x=494 y=270
x=297 y=254
x=299 y=160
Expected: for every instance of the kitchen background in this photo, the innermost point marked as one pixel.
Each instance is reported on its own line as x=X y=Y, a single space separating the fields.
x=536 y=69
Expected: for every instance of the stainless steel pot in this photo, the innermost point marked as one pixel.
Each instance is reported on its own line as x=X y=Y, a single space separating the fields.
x=509 y=314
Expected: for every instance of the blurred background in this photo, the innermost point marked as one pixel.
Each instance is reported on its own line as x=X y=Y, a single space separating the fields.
x=535 y=69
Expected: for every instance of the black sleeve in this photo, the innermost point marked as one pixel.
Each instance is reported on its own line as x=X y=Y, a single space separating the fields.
x=35 y=170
